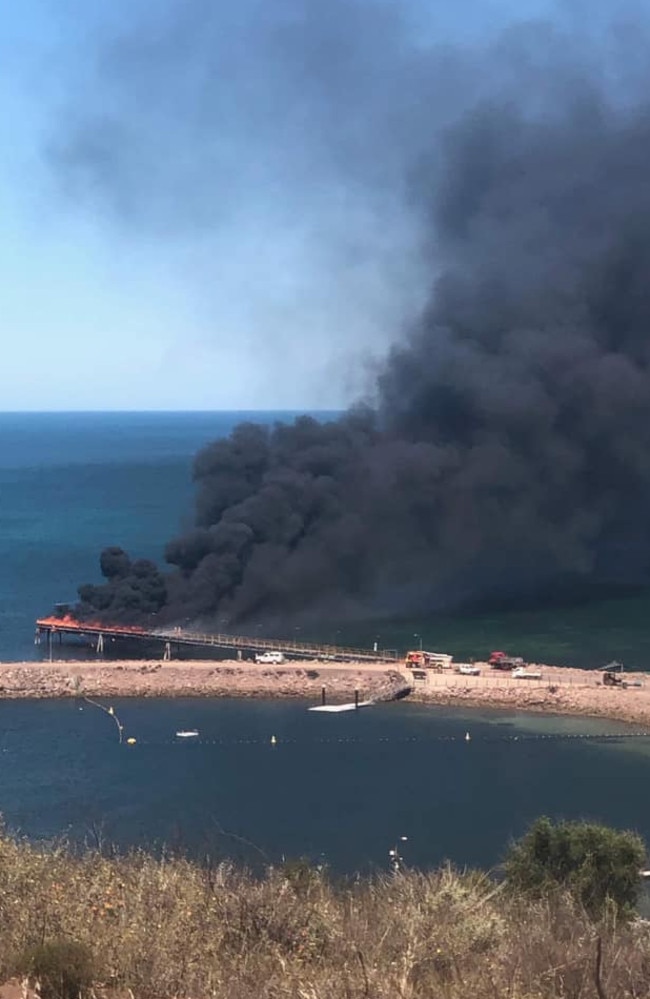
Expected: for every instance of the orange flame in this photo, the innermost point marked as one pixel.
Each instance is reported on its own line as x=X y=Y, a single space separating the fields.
x=69 y=623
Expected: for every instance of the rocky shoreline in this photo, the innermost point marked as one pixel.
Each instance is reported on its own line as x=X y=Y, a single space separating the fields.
x=194 y=679
x=560 y=691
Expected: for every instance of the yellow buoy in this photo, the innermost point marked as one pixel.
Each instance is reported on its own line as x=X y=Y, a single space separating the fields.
x=273 y=740
x=131 y=741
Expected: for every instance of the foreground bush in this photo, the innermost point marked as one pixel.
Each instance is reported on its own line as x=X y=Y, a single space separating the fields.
x=63 y=969
x=596 y=864
x=165 y=928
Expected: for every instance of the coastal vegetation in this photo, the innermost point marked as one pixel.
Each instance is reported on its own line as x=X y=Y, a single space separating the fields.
x=599 y=866
x=168 y=927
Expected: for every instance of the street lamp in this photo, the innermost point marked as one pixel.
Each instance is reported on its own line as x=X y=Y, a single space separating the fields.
x=420 y=638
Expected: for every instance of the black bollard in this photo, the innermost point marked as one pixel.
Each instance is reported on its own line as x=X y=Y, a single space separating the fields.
x=322 y=694
x=356 y=698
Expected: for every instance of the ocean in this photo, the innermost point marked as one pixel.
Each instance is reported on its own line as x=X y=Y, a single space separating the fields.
x=73 y=483
x=338 y=789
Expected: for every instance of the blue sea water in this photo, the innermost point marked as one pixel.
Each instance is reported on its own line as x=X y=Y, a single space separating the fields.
x=342 y=788
x=72 y=483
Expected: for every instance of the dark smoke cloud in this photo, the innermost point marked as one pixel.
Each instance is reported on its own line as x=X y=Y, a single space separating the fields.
x=255 y=154
x=507 y=446
x=197 y=105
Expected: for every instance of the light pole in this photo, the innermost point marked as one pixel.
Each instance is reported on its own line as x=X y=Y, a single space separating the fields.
x=420 y=639
x=395 y=860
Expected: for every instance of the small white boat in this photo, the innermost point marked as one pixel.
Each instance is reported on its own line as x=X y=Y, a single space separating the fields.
x=191 y=733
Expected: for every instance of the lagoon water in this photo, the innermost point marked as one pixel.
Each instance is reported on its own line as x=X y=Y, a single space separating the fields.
x=341 y=788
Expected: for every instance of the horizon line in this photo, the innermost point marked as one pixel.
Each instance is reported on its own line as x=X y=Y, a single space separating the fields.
x=64 y=412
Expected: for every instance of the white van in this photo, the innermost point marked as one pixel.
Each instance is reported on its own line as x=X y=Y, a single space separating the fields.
x=273 y=658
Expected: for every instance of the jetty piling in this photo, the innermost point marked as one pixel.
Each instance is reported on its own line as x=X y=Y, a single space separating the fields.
x=174 y=639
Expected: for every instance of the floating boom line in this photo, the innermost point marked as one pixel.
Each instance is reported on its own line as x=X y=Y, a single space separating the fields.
x=110 y=712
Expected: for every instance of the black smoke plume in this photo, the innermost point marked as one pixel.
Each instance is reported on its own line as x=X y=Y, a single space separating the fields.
x=133 y=589
x=506 y=447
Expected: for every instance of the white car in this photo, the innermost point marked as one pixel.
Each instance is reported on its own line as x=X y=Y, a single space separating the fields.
x=521 y=673
x=468 y=669
x=273 y=658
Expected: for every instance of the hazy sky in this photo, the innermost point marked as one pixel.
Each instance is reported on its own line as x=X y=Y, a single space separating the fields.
x=209 y=205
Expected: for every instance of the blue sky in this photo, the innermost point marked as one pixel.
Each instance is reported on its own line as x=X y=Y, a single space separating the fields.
x=241 y=257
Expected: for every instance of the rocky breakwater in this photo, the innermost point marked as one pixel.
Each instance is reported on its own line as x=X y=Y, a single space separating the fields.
x=32 y=680
x=560 y=691
x=395 y=688
x=197 y=679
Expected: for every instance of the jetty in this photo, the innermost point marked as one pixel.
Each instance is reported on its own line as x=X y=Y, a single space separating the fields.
x=337 y=708
x=172 y=641
x=394 y=693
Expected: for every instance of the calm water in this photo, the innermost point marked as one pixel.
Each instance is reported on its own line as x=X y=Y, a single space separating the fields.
x=72 y=483
x=342 y=788
x=339 y=787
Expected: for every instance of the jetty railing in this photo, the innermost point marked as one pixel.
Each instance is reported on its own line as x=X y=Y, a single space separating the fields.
x=177 y=636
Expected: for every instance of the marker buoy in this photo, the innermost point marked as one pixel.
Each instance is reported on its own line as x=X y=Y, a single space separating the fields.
x=131 y=741
x=273 y=740
x=468 y=737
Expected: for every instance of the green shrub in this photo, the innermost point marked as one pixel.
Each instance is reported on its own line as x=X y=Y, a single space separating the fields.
x=64 y=968
x=595 y=863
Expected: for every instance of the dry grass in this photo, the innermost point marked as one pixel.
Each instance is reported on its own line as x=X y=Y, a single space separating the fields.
x=168 y=928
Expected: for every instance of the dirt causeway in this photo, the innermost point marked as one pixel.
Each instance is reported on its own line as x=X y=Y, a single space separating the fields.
x=560 y=691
